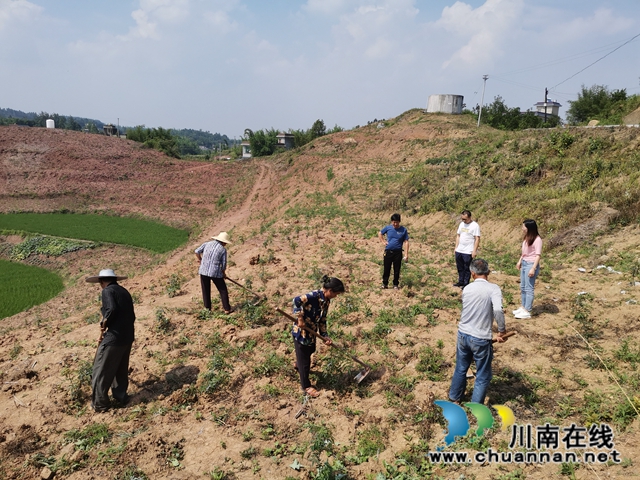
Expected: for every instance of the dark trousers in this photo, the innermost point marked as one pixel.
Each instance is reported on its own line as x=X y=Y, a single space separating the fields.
x=205 y=283
x=463 y=261
x=392 y=257
x=303 y=362
x=110 y=370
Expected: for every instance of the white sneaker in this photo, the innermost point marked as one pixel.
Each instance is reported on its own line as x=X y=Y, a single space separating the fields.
x=519 y=310
x=523 y=315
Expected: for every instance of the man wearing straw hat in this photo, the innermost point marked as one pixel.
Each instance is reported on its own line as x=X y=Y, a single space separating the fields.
x=212 y=257
x=111 y=365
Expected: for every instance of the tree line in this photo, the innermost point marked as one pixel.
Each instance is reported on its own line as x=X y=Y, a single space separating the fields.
x=597 y=102
x=9 y=116
x=265 y=142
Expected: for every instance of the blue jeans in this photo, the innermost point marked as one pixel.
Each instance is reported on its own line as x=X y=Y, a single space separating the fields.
x=471 y=349
x=527 y=283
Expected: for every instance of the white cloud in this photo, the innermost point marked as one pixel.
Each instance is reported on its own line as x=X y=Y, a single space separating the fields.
x=376 y=30
x=17 y=10
x=603 y=21
x=327 y=7
x=153 y=13
x=381 y=48
x=485 y=28
x=220 y=21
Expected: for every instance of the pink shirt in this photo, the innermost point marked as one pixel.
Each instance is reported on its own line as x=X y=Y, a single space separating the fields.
x=529 y=252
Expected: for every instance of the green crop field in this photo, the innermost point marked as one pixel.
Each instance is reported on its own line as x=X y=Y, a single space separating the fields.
x=23 y=286
x=100 y=228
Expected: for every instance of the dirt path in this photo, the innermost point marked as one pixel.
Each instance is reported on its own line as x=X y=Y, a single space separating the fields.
x=232 y=218
x=183 y=263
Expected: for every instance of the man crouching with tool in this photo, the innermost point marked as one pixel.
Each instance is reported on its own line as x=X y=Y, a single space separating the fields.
x=111 y=364
x=311 y=310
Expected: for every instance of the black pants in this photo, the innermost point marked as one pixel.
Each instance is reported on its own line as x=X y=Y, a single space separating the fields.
x=463 y=261
x=392 y=257
x=110 y=370
x=220 y=284
x=303 y=362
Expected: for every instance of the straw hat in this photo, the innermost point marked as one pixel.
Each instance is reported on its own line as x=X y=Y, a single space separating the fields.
x=223 y=237
x=106 y=273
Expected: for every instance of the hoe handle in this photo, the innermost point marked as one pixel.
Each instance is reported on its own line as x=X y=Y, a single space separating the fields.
x=311 y=332
x=506 y=335
x=242 y=286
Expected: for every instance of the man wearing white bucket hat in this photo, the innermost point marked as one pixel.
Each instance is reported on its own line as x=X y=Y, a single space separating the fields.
x=212 y=257
x=111 y=365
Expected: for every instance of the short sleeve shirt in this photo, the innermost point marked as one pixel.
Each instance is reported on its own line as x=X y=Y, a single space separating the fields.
x=313 y=308
x=214 y=259
x=530 y=252
x=468 y=233
x=395 y=236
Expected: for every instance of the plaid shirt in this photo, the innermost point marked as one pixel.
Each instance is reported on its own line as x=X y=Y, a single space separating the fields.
x=313 y=308
x=214 y=259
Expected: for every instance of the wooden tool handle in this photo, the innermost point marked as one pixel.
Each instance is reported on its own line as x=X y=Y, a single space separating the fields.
x=306 y=329
x=506 y=335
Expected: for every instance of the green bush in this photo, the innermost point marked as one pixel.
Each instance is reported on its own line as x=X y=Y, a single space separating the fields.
x=49 y=246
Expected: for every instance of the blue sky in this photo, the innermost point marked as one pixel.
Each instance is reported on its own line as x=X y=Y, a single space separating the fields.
x=227 y=65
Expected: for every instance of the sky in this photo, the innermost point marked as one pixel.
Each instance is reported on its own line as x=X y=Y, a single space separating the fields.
x=227 y=65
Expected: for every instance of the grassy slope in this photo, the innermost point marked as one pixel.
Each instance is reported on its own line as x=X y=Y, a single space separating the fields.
x=330 y=199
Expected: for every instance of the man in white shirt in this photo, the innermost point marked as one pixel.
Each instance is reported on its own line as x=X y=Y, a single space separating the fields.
x=467 y=243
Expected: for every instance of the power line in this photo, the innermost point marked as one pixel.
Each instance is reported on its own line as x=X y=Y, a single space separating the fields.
x=560 y=60
x=593 y=63
x=511 y=82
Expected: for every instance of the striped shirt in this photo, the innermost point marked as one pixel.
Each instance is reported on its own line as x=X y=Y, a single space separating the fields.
x=214 y=259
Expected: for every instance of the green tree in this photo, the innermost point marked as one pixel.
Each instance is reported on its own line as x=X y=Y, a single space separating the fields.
x=591 y=102
x=318 y=129
x=263 y=142
x=156 y=138
x=91 y=128
x=500 y=116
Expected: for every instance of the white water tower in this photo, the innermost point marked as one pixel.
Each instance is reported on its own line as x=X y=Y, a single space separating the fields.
x=445 y=104
x=51 y=123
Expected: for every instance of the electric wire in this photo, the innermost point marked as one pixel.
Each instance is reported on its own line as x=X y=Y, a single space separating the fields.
x=557 y=61
x=593 y=63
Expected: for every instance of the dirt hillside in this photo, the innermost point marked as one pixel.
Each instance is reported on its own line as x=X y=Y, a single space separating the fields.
x=214 y=395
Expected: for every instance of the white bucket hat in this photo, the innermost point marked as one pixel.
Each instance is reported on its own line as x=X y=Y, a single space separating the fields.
x=106 y=273
x=223 y=237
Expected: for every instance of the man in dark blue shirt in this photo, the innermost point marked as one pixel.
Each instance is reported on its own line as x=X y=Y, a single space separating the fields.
x=397 y=236
x=111 y=365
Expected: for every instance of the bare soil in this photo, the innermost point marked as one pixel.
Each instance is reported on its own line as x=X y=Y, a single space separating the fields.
x=45 y=170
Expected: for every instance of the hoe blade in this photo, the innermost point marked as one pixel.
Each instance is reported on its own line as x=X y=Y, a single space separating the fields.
x=362 y=375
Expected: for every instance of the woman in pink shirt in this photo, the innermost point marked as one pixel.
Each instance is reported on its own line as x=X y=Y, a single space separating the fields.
x=529 y=266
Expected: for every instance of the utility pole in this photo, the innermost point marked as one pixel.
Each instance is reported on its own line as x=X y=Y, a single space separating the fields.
x=546 y=93
x=484 y=77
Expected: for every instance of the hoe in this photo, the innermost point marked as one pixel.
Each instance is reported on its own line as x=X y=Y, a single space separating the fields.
x=361 y=375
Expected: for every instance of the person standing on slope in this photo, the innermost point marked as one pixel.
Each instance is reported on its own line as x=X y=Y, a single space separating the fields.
x=466 y=249
x=529 y=266
x=481 y=305
x=111 y=365
x=397 y=236
x=212 y=257
x=311 y=312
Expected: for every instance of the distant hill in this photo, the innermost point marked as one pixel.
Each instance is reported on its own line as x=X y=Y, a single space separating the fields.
x=204 y=139
x=10 y=116
x=193 y=138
